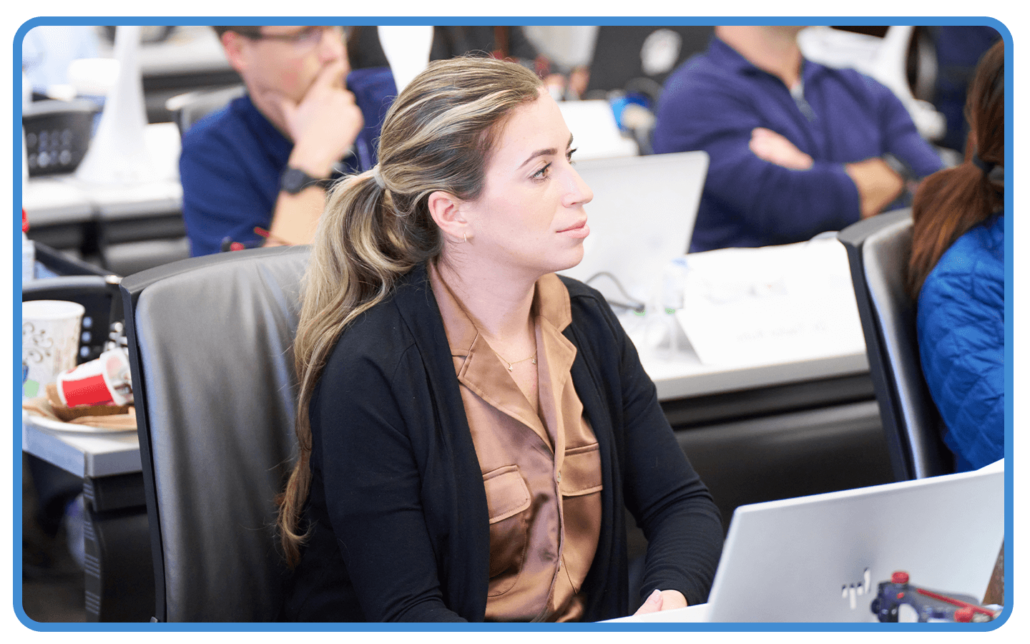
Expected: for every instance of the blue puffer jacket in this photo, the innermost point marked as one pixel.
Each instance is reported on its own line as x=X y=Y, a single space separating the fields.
x=961 y=328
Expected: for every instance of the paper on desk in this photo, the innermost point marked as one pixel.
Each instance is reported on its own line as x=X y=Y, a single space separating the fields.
x=771 y=305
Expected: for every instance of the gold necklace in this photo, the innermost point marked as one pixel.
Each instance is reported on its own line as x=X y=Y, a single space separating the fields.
x=512 y=364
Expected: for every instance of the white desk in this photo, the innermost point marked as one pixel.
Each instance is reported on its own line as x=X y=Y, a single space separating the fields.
x=65 y=199
x=130 y=227
x=59 y=199
x=86 y=455
x=682 y=375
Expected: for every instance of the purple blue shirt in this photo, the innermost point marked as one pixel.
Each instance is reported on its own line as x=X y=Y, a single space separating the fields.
x=714 y=100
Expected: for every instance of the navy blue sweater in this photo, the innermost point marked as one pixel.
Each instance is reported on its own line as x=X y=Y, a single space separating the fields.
x=232 y=160
x=714 y=100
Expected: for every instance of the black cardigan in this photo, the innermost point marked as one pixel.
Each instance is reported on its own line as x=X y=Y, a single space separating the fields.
x=397 y=511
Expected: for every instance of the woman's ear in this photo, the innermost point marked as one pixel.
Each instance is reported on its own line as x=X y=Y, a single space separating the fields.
x=445 y=209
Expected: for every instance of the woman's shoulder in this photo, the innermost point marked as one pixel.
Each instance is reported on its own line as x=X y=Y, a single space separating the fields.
x=378 y=337
x=585 y=300
x=969 y=276
x=976 y=258
x=592 y=316
x=387 y=333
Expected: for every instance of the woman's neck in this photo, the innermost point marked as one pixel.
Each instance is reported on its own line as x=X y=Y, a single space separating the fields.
x=499 y=303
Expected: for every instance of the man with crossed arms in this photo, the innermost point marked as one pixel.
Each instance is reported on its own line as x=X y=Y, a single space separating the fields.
x=796 y=148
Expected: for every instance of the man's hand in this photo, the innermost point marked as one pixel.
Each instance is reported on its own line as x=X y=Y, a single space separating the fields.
x=324 y=124
x=662 y=600
x=776 y=148
x=877 y=184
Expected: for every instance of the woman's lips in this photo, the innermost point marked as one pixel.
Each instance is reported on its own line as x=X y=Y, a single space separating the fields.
x=578 y=231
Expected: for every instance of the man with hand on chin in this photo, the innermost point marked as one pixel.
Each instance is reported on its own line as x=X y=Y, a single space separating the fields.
x=265 y=160
x=796 y=148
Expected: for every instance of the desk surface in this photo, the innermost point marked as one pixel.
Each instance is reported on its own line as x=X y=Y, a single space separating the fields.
x=678 y=376
x=85 y=455
x=682 y=375
x=65 y=199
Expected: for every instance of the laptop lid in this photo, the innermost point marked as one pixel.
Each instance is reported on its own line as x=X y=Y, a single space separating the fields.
x=641 y=218
x=820 y=558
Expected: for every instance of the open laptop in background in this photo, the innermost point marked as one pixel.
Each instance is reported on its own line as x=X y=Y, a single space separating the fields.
x=820 y=558
x=641 y=218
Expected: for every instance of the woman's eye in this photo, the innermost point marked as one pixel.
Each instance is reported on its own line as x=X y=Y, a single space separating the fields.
x=568 y=155
x=542 y=172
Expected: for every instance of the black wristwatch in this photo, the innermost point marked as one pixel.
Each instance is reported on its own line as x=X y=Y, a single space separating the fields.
x=295 y=180
x=903 y=169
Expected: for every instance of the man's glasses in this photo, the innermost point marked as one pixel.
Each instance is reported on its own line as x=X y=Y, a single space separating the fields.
x=303 y=40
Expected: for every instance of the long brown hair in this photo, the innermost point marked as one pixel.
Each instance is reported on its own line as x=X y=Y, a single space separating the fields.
x=436 y=136
x=951 y=202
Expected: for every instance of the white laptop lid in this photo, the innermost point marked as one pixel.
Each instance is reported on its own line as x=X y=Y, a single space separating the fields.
x=641 y=218
x=820 y=558
x=596 y=131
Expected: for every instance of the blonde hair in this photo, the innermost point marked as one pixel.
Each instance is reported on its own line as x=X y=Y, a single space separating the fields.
x=436 y=137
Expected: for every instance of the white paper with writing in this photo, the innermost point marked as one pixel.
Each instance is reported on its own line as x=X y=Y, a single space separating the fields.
x=769 y=305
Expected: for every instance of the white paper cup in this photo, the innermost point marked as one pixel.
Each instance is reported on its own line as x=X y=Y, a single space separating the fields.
x=49 y=342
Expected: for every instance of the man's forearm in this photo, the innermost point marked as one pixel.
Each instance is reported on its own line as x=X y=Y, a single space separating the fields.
x=877 y=184
x=296 y=214
x=296 y=217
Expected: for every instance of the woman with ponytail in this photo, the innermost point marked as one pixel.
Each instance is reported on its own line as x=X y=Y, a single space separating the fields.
x=471 y=426
x=957 y=273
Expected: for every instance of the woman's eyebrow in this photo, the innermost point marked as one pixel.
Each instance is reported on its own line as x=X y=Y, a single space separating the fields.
x=544 y=152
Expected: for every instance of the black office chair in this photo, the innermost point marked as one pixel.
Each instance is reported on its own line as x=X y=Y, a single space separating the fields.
x=96 y=289
x=878 y=250
x=210 y=345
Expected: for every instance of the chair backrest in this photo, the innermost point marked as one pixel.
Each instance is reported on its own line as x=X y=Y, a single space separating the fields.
x=210 y=344
x=189 y=108
x=878 y=250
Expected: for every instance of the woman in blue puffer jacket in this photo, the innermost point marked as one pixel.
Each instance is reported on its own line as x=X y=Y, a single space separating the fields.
x=957 y=272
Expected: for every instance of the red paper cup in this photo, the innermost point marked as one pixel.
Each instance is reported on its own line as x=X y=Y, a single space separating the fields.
x=97 y=382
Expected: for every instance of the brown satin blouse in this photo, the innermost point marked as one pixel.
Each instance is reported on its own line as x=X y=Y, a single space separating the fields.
x=542 y=473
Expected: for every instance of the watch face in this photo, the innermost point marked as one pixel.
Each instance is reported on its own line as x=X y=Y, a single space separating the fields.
x=294 y=180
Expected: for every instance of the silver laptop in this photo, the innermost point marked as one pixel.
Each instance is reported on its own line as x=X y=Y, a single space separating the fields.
x=641 y=218
x=820 y=558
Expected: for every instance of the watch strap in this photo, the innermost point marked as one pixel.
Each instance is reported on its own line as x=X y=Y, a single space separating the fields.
x=295 y=180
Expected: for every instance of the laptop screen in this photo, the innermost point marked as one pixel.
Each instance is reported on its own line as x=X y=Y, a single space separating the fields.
x=641 y=218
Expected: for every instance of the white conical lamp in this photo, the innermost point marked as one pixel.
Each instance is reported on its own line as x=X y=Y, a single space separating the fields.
x=407 y=50
x=118 y=154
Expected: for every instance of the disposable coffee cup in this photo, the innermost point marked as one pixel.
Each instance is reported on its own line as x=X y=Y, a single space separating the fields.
x=49 y=342
x=103 y=381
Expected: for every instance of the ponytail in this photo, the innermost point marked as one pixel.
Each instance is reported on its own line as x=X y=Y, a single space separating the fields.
x=951 y=202
x=354 y=263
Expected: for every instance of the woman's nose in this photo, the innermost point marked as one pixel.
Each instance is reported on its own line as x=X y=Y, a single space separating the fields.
x=578 y=193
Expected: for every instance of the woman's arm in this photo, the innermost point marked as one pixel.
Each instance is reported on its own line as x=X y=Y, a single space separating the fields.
x=662 y=491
